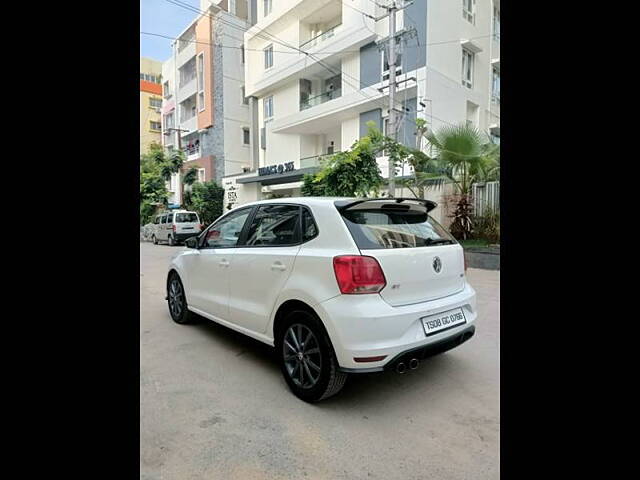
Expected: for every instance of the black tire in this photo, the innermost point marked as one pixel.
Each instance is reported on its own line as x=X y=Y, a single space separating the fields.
x=155 y=240
x=177 y=301
x=329 y=380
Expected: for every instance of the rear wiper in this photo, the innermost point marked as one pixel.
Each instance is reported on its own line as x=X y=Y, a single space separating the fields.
x=439 y=241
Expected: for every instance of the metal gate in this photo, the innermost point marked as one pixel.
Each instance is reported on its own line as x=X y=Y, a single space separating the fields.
x=486 y=195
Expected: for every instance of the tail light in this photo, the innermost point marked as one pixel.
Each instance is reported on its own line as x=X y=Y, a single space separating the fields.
x=358 y=274
x=173 y=227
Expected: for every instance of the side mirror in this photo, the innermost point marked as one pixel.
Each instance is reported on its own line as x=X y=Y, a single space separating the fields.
x=191 y=242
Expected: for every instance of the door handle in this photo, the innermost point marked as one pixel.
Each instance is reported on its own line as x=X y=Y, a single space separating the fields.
x=223 y=263
x=278 y=266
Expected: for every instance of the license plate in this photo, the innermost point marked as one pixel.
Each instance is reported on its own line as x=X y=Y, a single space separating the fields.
x=442 y=321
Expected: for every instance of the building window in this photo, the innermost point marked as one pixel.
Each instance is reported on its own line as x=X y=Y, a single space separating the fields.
x=245 y=100
x=496 y=23
x=495 y=138
x=246 y=137
x=168 y=121
x=150 y=78
x=267 y=7
x=155 y=102
x=232 y=7
x=201 y=82
x=468 y=10
x=155 y=126
x=242 y=53
x=201 y=176
x=268 y=57
x=268 y=107
x=495 y=86
x=467 y=68
x=165 y=89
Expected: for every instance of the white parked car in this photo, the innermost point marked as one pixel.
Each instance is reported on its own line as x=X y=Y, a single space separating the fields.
x=336 y=285
x=175 y=226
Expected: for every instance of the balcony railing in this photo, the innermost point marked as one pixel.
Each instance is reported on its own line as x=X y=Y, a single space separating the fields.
x=319 y=38
x=315 y=160
x=322 y=98
x=192 y=149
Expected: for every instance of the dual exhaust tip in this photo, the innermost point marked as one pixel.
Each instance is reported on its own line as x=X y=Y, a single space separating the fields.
x=401 y=367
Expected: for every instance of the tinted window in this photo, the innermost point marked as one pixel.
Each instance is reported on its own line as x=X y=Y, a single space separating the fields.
x=386 y=229
x=170 y=218
x=275 y=225
x=226 y=232
x=186 y=217
x=163 y=219
x=309 y=227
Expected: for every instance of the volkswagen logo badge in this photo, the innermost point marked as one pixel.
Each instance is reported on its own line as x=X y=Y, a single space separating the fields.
x=437 y=264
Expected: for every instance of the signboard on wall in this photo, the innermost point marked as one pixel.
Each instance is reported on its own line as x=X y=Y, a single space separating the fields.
x=279 y=168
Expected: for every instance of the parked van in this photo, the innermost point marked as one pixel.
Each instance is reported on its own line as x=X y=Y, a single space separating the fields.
x=175 y=226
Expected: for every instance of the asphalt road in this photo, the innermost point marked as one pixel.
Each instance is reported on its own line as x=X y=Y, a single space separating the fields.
x=213 y=404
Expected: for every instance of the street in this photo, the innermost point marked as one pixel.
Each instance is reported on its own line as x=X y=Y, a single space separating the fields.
x=214 y=405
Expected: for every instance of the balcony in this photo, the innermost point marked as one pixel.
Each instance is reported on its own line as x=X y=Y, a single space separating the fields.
x=192 y=151
x=320 y=99
x=328 y=47
x=320 y=38
x=187 y=88
x=315 y=160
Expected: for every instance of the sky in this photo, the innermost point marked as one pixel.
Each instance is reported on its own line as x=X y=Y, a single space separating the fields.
x=160 y=16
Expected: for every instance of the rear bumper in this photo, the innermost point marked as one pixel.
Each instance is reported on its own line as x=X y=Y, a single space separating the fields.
x=367 y=326
x=183 y=236
x=420 y=352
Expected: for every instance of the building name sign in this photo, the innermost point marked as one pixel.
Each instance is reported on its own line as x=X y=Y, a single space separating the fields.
x=281 y=168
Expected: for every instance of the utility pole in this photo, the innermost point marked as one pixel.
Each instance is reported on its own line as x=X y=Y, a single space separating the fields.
x=392 y=92
x=179 y=130
x=390 y=45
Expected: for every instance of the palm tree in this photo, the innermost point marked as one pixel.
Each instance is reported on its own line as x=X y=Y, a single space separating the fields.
x=464 y=156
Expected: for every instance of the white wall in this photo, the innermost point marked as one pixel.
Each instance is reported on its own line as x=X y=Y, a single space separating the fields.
x=236 y=114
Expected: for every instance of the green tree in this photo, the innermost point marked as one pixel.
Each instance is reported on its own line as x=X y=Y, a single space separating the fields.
x=207 y=200
x=351 y=173
x=156 y=168
x=464 y=156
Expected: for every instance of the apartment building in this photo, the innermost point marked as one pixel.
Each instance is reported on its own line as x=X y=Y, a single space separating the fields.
x=204 y=109
x=316 y=74
x=150 y=103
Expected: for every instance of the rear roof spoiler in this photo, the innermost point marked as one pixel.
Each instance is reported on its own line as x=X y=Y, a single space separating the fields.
x=342 y=205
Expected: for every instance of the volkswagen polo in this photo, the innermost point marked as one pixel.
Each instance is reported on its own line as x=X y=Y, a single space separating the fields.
x=338 y=286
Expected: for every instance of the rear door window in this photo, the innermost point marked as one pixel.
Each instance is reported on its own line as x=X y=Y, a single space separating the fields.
x=170 y=218
x=309 y=227
x=189 y=217
x=275 y=225
x=163 y=219
x=377 y=228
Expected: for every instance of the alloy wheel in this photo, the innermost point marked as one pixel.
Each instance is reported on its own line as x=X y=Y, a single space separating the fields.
x=176 y=298
x=302 y=357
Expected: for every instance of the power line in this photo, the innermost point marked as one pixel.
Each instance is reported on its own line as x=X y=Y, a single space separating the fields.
x=262 y=32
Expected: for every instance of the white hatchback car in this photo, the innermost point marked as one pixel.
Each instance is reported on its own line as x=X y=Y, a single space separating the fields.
x=336 y=285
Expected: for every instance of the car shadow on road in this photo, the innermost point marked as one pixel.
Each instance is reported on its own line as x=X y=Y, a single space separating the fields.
x=362 y=391
x=244 y=345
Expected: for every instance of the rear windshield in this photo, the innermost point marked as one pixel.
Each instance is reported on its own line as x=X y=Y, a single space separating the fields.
x=186 y=217
x=386 y=229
